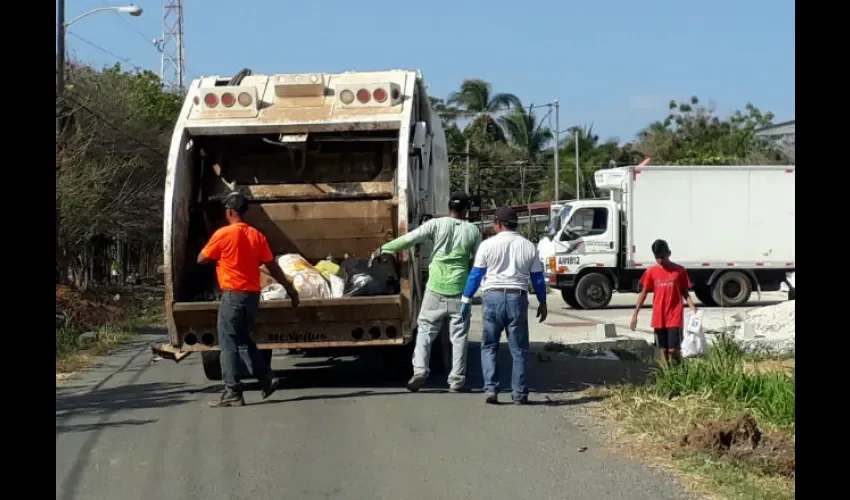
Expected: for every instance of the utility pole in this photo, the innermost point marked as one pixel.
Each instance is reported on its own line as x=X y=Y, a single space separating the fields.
x=466 y=178
x=578 y=177
x=557 y=144
x=172 y=66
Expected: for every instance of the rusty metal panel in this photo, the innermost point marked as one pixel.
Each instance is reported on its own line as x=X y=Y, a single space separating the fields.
x=302 y=345
x=318 y=229
x=313 y=192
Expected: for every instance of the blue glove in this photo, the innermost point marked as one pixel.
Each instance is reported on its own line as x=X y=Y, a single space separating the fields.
x=465 y=310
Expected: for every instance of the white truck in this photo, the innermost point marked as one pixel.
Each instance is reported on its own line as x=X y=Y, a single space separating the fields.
x=332 y=164
x=732 y=227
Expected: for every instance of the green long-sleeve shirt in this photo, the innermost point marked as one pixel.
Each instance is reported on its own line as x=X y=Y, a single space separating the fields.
x=455 y=244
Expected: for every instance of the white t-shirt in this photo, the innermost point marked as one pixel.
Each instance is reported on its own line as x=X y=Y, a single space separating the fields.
x=509 y=260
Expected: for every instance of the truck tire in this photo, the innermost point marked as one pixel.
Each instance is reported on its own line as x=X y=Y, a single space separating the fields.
x=211 y=362
x=441 y=352
x=594 y=291
x=731 y=289
x=703 y=293
x=569 y=296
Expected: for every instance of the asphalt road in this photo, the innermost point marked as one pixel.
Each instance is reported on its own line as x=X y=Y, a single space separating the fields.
x=134 y=428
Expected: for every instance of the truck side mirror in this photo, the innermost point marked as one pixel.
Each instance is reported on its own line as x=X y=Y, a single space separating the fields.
x=420 y=135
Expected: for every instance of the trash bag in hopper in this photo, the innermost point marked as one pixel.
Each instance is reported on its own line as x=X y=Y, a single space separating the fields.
x=275 y=291
x=337 y=286
x=694 y=343
x=367 y=279
x=328 y=268
x=306 y=279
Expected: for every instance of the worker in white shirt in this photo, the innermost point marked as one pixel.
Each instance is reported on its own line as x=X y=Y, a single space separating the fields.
x=506 y=263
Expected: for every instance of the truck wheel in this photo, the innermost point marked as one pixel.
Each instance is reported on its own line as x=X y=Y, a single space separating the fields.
x=593 y=291
x=569 y=296
x=441 y=352
x=731 y=289
x=211 y=361
x=703 y=293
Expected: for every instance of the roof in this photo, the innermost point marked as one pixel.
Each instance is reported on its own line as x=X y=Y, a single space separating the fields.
x=784 y=128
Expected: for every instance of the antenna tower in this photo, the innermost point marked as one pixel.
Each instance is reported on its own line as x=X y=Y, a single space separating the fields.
x=172 y=69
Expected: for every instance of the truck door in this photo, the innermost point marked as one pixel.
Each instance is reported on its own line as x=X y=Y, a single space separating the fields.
x=592 y=233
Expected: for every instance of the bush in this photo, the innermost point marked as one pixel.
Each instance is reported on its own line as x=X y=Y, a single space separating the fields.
x=721 y=375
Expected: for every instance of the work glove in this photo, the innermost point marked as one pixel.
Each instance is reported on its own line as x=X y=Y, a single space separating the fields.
x=542 y=312
x=465 y=311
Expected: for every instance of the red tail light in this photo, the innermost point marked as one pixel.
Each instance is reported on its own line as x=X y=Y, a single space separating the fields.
x=245 y=99
x=227 y=100
x=380 y=95
x=364 y=96
x=211 y=100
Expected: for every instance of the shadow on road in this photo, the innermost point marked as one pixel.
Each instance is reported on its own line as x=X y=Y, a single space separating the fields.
x=103 y=402
x=547 y=375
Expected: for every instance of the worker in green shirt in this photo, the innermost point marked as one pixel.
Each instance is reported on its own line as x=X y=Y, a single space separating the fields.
x=455 y=243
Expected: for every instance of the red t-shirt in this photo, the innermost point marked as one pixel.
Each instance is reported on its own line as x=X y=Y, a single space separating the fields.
x=668 y=286
x=238 y=250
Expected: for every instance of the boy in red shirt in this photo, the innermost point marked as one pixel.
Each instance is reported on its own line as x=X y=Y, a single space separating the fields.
x=669 y=284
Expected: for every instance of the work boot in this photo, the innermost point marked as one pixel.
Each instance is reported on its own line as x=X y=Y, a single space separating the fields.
x=521 y=401
x=491 y=398
x=270 y=386
x=460 y=388
x=228 y=399
x=416 y=382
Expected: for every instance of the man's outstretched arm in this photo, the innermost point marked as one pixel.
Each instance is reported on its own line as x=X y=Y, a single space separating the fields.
x=405 y=241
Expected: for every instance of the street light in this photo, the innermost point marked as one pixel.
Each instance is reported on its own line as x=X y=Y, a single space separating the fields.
x=61 y=26
x=133 y=10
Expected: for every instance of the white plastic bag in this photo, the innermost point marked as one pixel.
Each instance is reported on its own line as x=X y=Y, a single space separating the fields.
x=694 y=343
x=275 y=291
x=337 y=286
x=306 y=279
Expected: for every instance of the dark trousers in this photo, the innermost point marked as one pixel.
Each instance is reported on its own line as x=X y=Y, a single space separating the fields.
x=236 y=315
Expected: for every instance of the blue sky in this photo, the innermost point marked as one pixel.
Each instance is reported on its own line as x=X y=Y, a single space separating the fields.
x=613 y=63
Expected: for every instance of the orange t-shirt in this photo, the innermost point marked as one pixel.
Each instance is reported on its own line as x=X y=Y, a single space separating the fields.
x=238 y=250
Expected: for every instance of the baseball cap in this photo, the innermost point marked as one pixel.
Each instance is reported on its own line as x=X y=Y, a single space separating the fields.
x=459 y=200
x=507 y=214
x=235 y=201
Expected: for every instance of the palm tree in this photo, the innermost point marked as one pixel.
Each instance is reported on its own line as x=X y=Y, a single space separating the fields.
x=475 y=96
x=448 y=114
x=527 y=137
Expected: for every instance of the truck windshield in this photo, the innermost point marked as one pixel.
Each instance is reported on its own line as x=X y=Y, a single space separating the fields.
x=552 y=229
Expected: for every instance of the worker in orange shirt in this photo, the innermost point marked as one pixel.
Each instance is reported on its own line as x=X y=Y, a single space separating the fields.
x=238 y=250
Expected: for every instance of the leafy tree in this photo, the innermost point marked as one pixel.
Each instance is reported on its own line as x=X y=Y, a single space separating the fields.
x=476 y=96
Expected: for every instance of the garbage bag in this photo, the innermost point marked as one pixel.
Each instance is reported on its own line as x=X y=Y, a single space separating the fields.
x=370 y=277
x=275 y=291
x=306 y=279
x=328 y=268
x=337 y=286
x=694 y=342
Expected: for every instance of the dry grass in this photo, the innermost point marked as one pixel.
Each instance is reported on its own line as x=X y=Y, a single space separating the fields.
x=650 y=428
x=72 y=359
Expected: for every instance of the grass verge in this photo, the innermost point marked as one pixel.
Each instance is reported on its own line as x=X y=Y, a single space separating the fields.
x=72 y=354
x=725 y=422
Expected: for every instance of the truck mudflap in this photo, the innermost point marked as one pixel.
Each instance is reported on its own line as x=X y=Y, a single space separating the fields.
x=315 y=323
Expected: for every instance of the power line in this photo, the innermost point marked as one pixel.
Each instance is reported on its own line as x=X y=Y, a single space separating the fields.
x=148 y=40
x=106 y=51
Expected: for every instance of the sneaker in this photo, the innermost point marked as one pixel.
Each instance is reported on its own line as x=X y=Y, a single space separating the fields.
x=460 y=388
x=491 y=398
x=228 y=399
x=270 y=387
x=523 y=401
x=416 y=382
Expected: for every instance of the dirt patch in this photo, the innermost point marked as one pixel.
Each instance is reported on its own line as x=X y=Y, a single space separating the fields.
x=741 y=439
x=74 y=308
x=785 y=366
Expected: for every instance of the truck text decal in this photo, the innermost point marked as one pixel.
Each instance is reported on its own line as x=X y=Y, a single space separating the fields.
x=296 y=337
x=569 y=260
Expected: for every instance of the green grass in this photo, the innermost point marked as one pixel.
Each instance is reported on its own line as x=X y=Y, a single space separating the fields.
x=651 y=419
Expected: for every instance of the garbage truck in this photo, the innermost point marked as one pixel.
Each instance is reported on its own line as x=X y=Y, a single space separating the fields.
x=732 y=227
x=333 y=165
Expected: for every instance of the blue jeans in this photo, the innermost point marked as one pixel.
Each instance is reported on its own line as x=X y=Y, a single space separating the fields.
x=236 y=314
x=505 y=312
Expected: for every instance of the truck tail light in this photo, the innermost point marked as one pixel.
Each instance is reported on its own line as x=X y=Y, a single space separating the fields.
x=346 y=96
x=364 y=96
x=211 y=100
x=245 y=99
x=551 y=263
x=228 y=100
x=380 y=95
